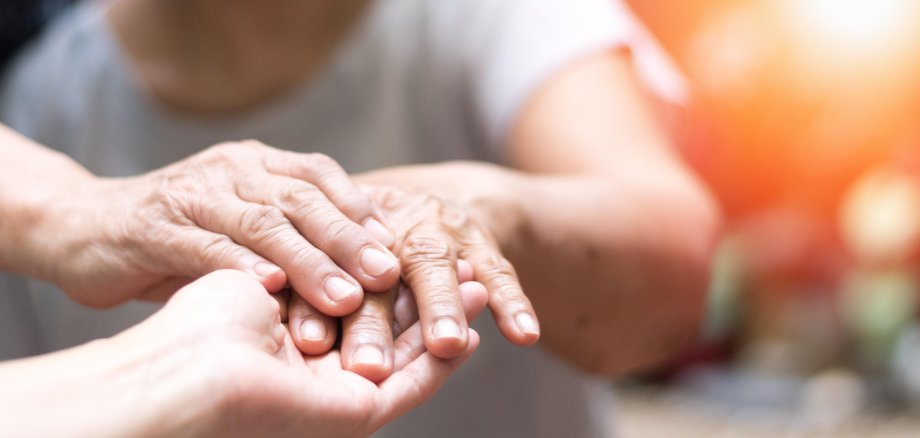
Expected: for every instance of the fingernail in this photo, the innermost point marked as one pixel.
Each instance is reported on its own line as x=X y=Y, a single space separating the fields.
x=368 y=354
x=526 y=323
x=376 y=262
x=447 y=328
x=380 y=232
x=265 y=269
x=312 y=329
x=338 y=288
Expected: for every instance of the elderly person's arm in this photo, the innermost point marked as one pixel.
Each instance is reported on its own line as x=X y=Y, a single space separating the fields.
x=615 y=247
x=609 y=233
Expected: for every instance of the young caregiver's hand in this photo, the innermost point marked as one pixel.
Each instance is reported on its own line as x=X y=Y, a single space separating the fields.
x=215 y=361
x=255 y=382
x=285 y=217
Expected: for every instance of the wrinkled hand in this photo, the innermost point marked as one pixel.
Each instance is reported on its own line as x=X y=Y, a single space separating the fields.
x=220 y=345
x=287 y=218
x=435 y=242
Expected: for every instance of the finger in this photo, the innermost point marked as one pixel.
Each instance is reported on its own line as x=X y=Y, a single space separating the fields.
x=232 y=296
x=321 y=222
x=511 y=308
x=430 y=270
x=197 y=252
x=326 y=174
x=289 y=353
x=405 y=310
x=418 y=381
x=409 y=345
x=283 y=297
x=464 y=271
x=313 y=332
x=266 y=230
x=475 y=297
x=367 y=338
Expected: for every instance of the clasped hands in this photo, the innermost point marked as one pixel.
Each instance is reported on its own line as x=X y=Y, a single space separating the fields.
x=371 y=258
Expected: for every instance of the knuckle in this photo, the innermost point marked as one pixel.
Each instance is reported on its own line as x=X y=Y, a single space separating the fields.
x=333 y=226
x=369 y=329
x=311 y=261
x=392 y=198
x=240 y=147
x=339 y=231
x=354 y=203
x=322 y=161
x=296 y=198
x=441 y=301
x=220 y=154
x=314 y=165
x=312 y=208
x=251 y=144
x=430 y=204
x=454 y=218
x=496 y=267
x=505 y=287
x=216 y=249
x=508 y=289
x=425 y=250
x=175 y=200
x=259 y=220
x=230 y=153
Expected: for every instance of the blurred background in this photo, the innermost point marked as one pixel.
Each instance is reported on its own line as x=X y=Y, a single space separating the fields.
x=805 y=121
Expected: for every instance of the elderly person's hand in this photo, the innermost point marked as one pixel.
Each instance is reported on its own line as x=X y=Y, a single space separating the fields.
x=287 y=218
x=369 y=336
x=216 y=361
x=437 y=241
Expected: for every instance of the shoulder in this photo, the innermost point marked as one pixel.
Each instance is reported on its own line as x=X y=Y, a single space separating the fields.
x=472 y=19
x=509 y=48
x=481 y=25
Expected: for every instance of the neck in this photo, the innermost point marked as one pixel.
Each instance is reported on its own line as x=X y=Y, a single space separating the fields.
x=219 y=56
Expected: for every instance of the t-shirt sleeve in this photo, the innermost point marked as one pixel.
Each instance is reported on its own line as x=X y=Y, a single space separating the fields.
x=516 y=45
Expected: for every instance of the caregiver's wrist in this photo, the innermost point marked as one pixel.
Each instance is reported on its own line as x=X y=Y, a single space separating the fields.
x=158 y=385
x=100 y=389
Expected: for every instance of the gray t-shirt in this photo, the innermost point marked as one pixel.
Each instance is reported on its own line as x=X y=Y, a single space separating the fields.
x=417 y=81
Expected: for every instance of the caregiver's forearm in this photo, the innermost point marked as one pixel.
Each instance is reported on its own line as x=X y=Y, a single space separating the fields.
x=93 y=390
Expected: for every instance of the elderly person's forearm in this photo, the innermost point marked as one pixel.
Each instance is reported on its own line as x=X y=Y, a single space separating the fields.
x=31 y=177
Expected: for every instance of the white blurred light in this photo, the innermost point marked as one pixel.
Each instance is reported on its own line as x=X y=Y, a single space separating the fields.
x=880 y=218
x=858 y=22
